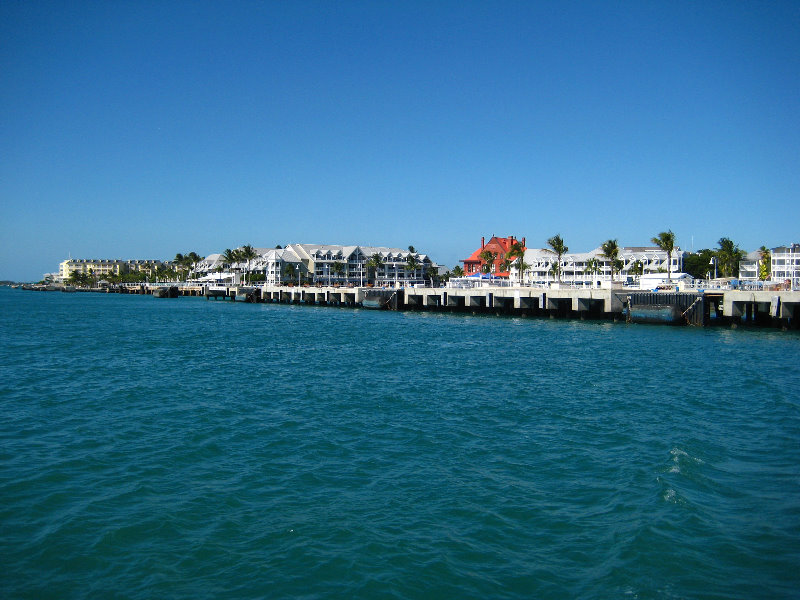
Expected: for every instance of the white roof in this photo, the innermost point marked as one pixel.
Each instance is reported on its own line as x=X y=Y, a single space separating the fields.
x=660 y=276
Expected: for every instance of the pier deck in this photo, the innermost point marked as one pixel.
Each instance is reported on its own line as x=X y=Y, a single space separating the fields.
x=776 y=308
x=693 y=307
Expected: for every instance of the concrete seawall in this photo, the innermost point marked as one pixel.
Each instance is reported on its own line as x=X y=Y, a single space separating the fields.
x=727 y=307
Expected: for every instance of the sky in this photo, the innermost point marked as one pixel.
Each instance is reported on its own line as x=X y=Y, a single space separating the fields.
x=137 y=130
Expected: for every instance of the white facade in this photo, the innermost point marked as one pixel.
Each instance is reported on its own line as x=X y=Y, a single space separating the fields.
x=748 y=267
x=320 y=263
x=575 y=266
x=273 y=264
x=320 y=260
x=786 y=265
x=270 y=262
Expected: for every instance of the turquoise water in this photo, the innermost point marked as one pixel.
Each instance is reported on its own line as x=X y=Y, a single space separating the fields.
x=190 y=449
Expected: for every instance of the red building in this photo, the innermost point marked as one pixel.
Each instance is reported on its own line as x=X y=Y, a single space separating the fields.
x=499 y=246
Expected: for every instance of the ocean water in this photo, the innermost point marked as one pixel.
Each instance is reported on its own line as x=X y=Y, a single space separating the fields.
x=181 y=448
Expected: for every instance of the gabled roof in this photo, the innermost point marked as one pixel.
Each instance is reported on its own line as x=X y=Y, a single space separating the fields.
x=495 y=243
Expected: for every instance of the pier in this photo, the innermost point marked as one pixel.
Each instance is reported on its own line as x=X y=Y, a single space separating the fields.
x=773 y=308
x=699 y=308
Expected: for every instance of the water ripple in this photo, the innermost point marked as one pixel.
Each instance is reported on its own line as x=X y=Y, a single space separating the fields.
x=199 y=449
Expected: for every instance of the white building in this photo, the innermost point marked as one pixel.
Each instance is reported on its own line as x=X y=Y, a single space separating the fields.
x=320 y=263
x=580 y=268
x=270 y=263
x=349 y=264
x=749 y=266
x=786 y=265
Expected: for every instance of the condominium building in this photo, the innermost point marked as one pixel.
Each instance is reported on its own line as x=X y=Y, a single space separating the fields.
x=589 y=268
x=271 y=262
x=786 y=265
x=105 y=267
x=323 y=263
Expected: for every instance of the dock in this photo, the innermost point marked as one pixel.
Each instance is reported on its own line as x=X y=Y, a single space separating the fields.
x=698 y=308
x=773 y=308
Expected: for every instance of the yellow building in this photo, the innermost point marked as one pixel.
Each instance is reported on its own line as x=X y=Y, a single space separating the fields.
x=103 y=267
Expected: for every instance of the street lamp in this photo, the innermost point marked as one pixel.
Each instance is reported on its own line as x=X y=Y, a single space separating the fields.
x=713 y=261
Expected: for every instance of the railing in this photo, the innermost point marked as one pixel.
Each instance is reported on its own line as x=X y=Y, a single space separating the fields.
x=737 y=285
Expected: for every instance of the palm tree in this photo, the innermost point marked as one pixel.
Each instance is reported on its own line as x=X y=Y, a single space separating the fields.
x=592 y=266
x=192 y=259
x=765 y=264
x=337 y=268
x=610 y=250
x=457 y=271
x=666 y=241
x=247 y=253
x=487 y=256
x=517 y=254
x=75 y=278
x=375 y=262
x=557 y=245
x=230 y=257
x=179 y=260
x=412 y=264
x=432 y=273
x=291 y=270
x=728 y=256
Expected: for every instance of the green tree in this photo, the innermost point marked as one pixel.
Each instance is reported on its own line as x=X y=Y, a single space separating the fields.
x=698 y=264
x=290 y=270
x=517 y=255
x=728 y=257
x=412 y=250
x=765 y=264
x=487 y=256
x=337 y=268
x=76 y=278
x=457 y=271
x=592 y=266
x=432 y=273
x=230 y=258
x=247 y=253
x=374 y=263
x=666 y=241
x=412 y=264
x=192 y=259
x=180 y=261
x=610 y=251
x=557 y=245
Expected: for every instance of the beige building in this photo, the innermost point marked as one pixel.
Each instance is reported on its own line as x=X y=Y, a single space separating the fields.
x=105 y=267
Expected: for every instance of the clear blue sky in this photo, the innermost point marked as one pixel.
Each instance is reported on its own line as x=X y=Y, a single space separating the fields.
x=142 y=129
